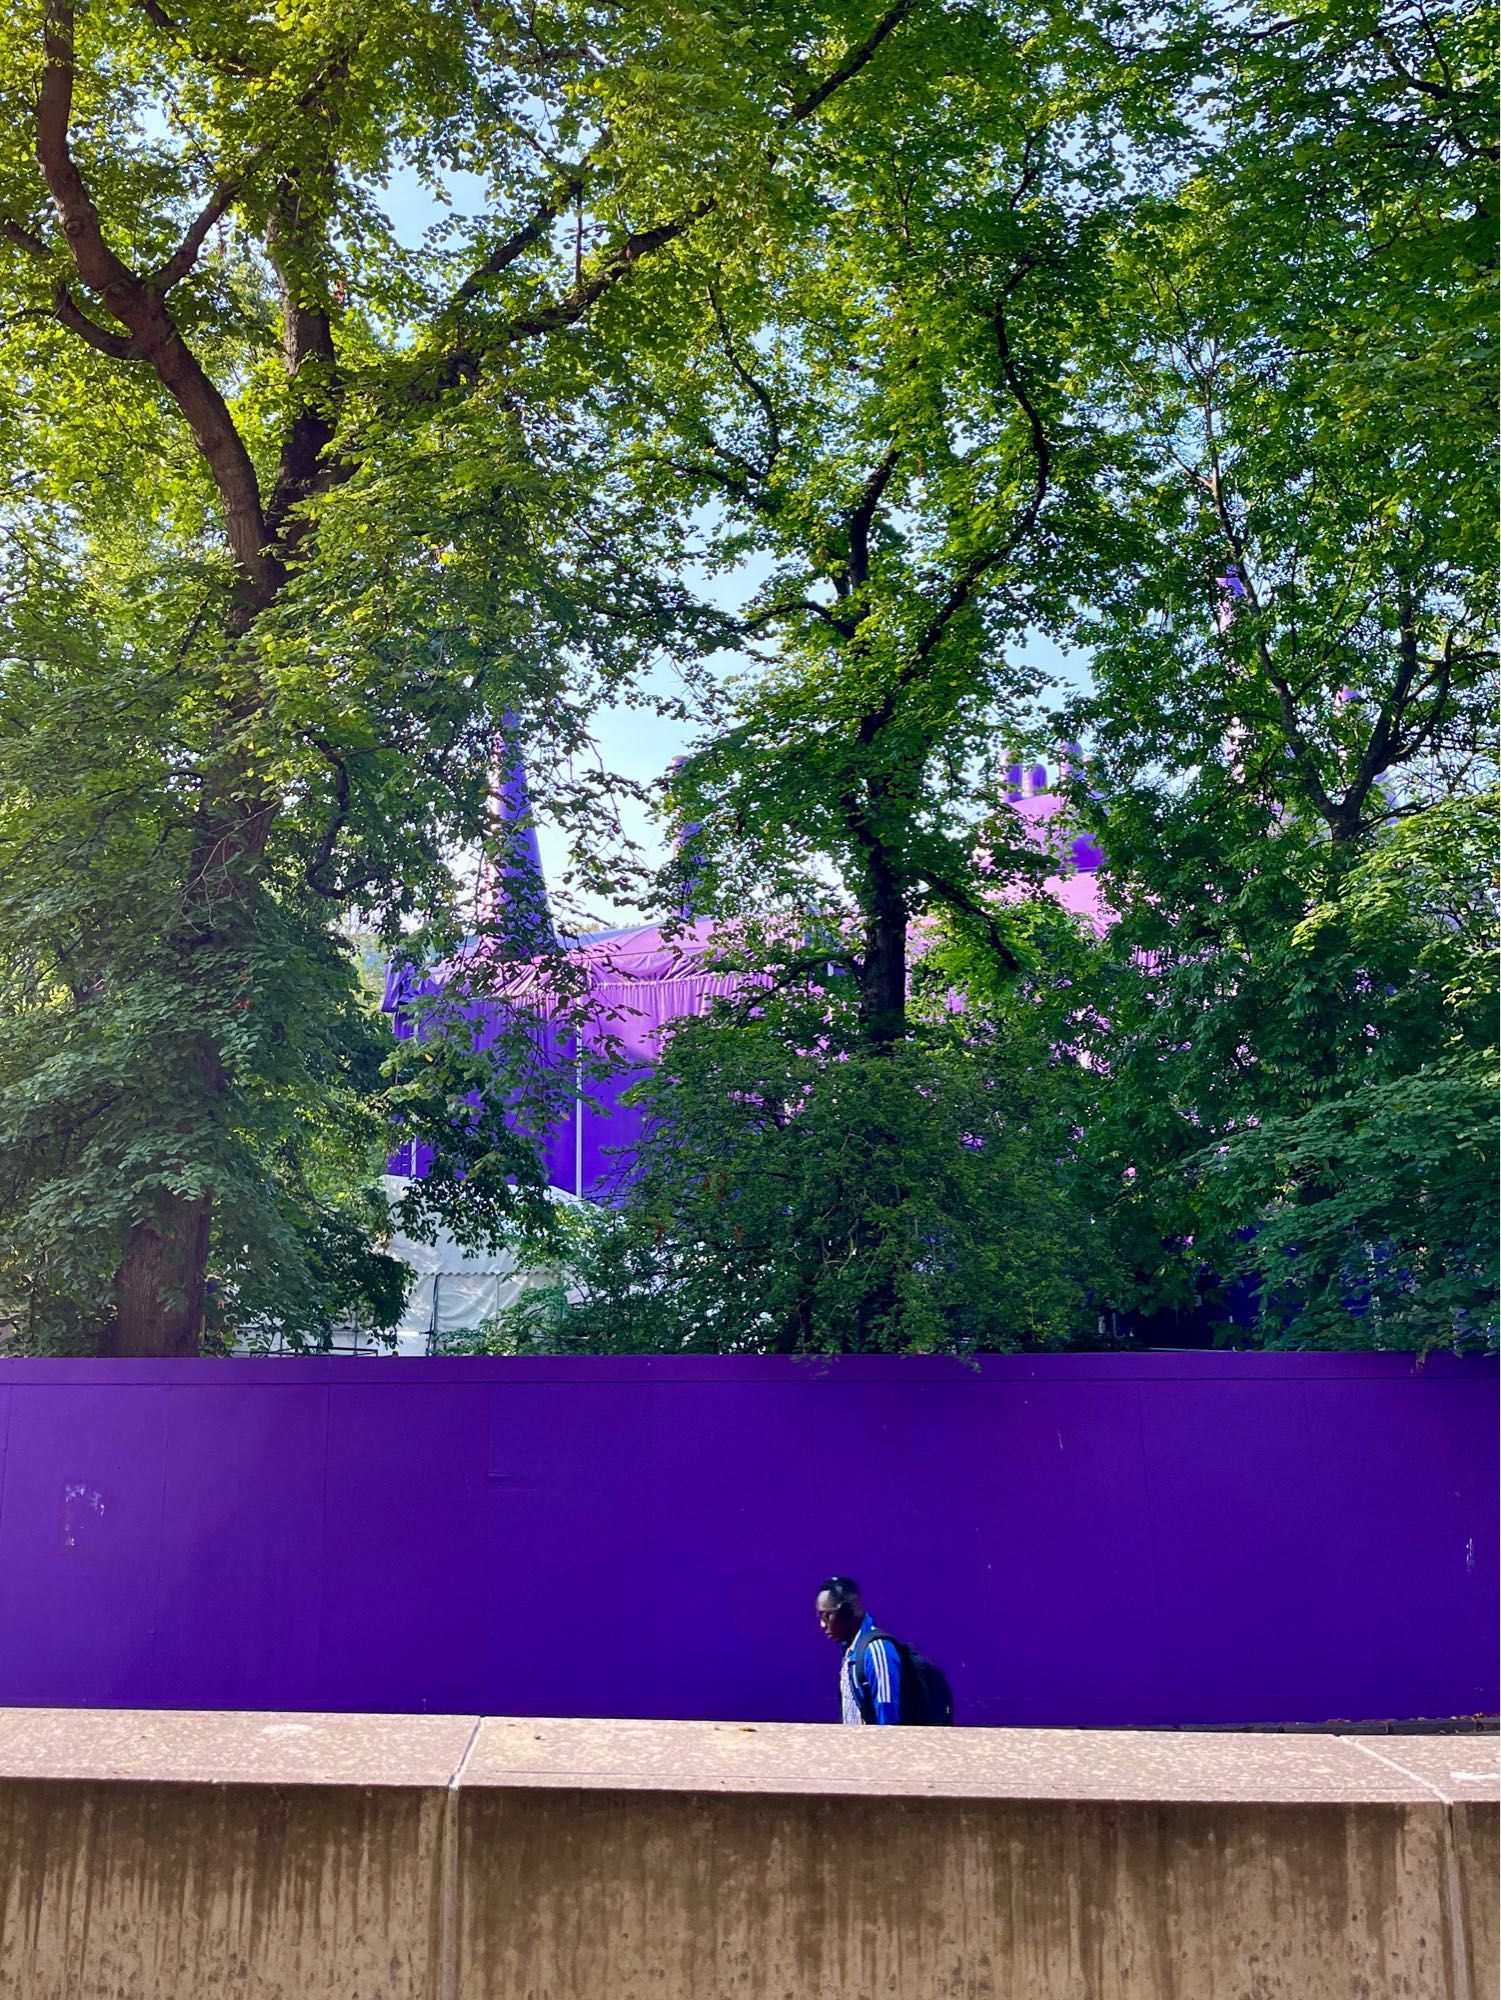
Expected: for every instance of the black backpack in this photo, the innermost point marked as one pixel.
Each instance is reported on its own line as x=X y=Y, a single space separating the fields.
x=927 y=1699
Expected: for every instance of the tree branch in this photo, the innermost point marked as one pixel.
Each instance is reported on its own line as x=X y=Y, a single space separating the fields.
x=858 y=523
x=731 y=482
x=748 y=380
x=1386 y=744
x=463 y=363
x=1440 y=92
x=1287 y=707
x=970 y=578
x=845 y=627
x=852 y=65
x=141 y=310
x=617 y=264
x=1441 y=681
x=305 y=466
x=979 y=909
x=23 y=239
x=65 y=309
x=315 y=871
x=67 y=312
x=1041 y=450
x=160 y=18
x=185 y=256
x=520 y=240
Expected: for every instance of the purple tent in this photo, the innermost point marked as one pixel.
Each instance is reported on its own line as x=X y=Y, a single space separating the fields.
x=633 y=985
x=623 y=989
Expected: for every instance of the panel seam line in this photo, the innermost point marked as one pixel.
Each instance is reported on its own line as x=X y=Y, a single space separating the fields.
x=448 y=1882
x=1392 y=1765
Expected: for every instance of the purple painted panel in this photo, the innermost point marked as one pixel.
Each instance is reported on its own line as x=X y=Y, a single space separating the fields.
x=1044 y=1574
x=405 y=1613
x=757 y=1483
x=80 y=1539
x=242 y=1542
x=1247 y=1536
x=1079 y=1539
x=1414 y=1566
x=579 y=1548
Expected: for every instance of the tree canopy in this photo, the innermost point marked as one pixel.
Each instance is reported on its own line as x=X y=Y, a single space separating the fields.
x=1159 y=331
x=297 y=514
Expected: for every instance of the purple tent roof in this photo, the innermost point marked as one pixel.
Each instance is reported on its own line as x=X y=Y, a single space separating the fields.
x=638 y=980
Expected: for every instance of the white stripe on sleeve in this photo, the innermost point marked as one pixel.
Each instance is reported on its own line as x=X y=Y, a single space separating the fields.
x=880 y=1652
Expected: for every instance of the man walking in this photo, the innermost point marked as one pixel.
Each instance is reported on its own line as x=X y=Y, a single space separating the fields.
x=870 y=1674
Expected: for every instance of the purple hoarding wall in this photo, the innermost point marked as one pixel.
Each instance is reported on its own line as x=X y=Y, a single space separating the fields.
x=1086 y=1540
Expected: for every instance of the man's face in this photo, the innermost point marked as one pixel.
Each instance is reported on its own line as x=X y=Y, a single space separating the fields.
x=839 y=1621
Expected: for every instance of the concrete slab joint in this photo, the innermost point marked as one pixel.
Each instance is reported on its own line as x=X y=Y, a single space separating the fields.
x=149 y=1855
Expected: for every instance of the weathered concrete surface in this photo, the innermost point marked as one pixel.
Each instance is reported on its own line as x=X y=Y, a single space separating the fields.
x=1111 y=1765
x=119 y=1891
x=823 y=1900
x=153 y=1856
x=200 y=1746
x=156 y=1856
x=1462 y=1772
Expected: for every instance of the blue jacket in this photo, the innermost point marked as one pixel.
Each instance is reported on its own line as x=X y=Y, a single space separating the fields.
x=874 y=1695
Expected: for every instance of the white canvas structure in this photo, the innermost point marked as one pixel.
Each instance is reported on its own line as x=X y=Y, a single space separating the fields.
x=456 y=1289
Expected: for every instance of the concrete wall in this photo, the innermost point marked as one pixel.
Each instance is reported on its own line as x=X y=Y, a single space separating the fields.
x=1092 y=1540
x=230 y=1857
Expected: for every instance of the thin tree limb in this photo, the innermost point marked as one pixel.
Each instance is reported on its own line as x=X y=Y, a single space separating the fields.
x=852 y=65
x=67 y=312
x=750 y=381
x=185 y=256
x=305 y=465
x=970 y=578
x=843 y=626
x=158 y=16
x=520 y=240
x=24 y=239
x=618 y=263
x=1287 y=707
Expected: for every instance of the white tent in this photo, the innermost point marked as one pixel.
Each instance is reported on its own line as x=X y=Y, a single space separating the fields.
x=456 y=1289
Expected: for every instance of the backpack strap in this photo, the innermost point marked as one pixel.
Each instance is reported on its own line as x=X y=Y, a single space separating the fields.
x=864 y=1694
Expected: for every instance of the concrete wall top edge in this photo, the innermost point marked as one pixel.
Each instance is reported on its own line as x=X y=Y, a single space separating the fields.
x=232 y=1747
x=81 y=1746
x=1000 y=1370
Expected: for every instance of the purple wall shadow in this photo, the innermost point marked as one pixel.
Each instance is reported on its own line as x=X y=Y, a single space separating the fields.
x=1081 y=1540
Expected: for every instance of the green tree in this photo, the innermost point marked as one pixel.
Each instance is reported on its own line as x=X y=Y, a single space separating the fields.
x=1299 y=372
x=882 y=419
x=1373 y=1211
x=799 y=1192
x=1296 y=1060
x=1292 y=617
x=299 y=515
x=878 y=418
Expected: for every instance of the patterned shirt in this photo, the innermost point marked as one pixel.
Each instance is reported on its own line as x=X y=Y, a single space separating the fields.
x=880 y=1680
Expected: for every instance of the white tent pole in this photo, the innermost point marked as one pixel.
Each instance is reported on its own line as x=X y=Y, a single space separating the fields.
x=578 y=1118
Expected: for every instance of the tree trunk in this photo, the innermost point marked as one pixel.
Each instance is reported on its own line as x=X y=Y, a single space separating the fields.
x=883 y=967
x=883 y=1014
x=161 y=1282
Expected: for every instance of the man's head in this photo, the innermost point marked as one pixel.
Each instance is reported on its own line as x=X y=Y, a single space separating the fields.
x=841 y=1610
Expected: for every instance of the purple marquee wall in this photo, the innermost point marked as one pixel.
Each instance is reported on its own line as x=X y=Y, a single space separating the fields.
x=1080 y=1540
